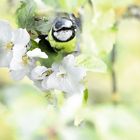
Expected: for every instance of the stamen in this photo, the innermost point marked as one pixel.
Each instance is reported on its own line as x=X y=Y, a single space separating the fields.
x=9 y=46
x=48 y=72
x=61 y=74
x=25 y=59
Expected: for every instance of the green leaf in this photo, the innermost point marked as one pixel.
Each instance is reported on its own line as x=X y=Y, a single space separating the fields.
x=43 y=25
x=85 y=96
x=25 y=14
x=91 y=63
x=32 y=45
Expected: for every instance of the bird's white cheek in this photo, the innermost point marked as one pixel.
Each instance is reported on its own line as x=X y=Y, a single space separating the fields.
x=63 y=35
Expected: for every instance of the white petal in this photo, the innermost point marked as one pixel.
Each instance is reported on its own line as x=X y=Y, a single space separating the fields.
x=69 y=60
x=51 y=82
x=69 y=65
x=5 y=58
x=37 y=73
x=69 y=86
x=18 y=52
x=37 y=53
x=5 y=32
x=63 y=84
x=77 y=73
x=21 y=36
x=16 y=64
x=18 y=74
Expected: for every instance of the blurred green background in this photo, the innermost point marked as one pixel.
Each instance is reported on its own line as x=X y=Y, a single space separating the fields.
x=26 y=113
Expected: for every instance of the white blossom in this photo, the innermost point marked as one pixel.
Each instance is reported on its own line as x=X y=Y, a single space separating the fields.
x=14 y=53
x=13 y=48
x=64 y=76
x=20 y=39
x=17 y=56
x=38 y=74
x=5 y=44
x=20 y=64
x=25 y=62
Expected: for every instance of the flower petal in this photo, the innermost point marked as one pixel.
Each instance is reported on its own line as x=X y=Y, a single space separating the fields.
x=37 y=73
x=5 y=32
x=37 y=53
x=50 y=82
x=18 y=74
x=18 y=52
x=5 y=58
x=21 y=36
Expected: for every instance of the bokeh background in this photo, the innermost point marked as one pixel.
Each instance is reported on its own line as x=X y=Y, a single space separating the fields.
x=27 y=114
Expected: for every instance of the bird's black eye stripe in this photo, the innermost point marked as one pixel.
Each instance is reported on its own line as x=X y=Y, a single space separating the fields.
x=56 y=39
x=65 y=28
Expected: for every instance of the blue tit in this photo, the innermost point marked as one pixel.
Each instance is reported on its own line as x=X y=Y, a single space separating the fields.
x=62 y=35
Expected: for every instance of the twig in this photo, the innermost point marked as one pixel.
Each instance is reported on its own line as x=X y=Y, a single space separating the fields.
x=114 y=76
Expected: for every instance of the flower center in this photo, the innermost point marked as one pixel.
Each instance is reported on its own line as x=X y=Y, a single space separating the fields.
x=48 y=72
x=62 y=72
x=25 y=59
x=9 y=46
x=62 y=75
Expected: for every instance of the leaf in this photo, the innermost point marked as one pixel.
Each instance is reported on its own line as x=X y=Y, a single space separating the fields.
x=43 y=26
x=25 y=14
x=91 y=63
x=32 y=45
x=85 y=96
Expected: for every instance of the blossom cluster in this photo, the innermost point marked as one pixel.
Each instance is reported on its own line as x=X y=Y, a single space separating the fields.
x=16 y=54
